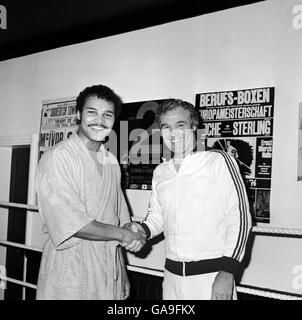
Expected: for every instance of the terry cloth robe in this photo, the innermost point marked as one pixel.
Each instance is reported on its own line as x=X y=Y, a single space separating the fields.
x=72 y=192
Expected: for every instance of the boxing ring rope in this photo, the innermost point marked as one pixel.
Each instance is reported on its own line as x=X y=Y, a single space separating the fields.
x=283 y=231
x=258 y=292
x=21 y=283
x=268 y=230
x=19 y=205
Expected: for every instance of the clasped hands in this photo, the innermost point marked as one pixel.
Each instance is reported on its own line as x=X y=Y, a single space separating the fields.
x=134 y=236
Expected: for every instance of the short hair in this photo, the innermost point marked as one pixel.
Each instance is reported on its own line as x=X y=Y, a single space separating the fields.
x=172 y=104
x=101 y=92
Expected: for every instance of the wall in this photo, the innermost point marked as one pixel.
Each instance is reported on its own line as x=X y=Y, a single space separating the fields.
x=245 y=47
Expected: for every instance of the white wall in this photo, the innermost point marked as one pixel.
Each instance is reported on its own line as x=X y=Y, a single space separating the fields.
x=245 y=47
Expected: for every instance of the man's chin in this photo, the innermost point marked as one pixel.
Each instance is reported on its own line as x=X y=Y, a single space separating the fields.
x=174 y=149
x=99 y=137
x=178 y=149
x=182 y=150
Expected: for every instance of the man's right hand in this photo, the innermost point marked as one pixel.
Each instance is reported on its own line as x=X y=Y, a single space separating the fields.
x=134 y=236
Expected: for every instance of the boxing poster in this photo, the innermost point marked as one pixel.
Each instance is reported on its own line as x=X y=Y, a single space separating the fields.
x=240 y=122
x=58 y=122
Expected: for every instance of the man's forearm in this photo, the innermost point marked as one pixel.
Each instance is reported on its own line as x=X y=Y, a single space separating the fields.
x=222 y=287
x=98 y=231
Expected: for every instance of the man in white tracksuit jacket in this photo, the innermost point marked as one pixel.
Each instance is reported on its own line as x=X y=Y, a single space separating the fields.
x=200 y=203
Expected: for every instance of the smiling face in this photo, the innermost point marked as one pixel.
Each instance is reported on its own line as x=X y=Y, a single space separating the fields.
x=177 y=131
x=97 y=119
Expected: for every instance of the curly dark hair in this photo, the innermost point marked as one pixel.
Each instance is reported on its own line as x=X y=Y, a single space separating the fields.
x=101 y=92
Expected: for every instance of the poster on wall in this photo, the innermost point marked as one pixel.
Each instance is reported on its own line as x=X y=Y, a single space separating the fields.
x=139 y=143
x=240 y=122
x=58 y=122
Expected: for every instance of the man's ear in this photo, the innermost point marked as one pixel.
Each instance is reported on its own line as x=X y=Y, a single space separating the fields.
x=79 y=115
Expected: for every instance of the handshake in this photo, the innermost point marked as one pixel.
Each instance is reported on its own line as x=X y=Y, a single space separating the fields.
x=134 y=236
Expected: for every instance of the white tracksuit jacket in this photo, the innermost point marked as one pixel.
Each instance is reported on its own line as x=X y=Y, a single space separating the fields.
x=203 y=209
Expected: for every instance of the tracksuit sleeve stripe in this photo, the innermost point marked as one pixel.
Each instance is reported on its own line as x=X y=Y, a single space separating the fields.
x=243 y=207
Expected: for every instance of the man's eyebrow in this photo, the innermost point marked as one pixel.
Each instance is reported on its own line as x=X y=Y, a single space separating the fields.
x=93 y=108
x=163 y=124
x=178 y=122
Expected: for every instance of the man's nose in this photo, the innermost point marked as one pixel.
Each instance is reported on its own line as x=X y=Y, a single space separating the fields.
x=100 y=119
x=175 y=132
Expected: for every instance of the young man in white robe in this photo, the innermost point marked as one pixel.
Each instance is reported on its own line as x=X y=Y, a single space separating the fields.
x=82 y=207
x=200 y=203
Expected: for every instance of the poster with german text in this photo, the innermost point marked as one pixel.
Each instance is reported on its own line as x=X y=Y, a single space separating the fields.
x=240 y=122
